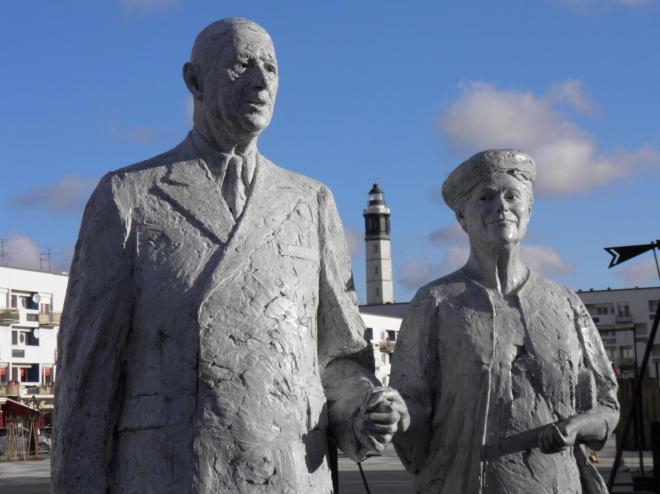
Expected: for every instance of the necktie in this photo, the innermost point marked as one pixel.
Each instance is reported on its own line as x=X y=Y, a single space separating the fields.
x=233 y=186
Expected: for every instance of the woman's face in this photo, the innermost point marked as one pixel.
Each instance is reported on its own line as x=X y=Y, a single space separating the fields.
x=497 y=211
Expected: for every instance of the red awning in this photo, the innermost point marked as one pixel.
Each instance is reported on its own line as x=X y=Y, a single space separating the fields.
x=16 y=409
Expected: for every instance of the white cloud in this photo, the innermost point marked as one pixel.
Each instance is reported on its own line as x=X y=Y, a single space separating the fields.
x=355 y=241
x=642 y=272
x=449 y=235
x=572 y=93
x=67 y=195
x=21 y=252
x=567 y=157
x=138 y=134
x=415 y=274
x=454 y=243
x=543 y=259
x=145 y=5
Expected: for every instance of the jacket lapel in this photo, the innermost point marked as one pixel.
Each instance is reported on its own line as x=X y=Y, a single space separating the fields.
x=269 y=204
x=190 y=188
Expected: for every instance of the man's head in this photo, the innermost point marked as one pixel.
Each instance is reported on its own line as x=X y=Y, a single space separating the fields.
x=232 y=75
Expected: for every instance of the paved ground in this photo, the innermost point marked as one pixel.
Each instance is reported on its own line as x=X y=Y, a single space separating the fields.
x=384 y=474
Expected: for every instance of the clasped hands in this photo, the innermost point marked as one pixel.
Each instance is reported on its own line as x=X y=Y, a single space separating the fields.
x=382 y=412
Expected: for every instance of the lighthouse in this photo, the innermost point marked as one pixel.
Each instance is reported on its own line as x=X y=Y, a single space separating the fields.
x=378 y=249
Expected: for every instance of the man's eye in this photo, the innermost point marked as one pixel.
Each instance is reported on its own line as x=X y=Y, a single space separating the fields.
x=240 y=67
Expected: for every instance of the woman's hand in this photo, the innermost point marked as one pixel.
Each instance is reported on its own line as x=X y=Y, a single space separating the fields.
x=558 y=436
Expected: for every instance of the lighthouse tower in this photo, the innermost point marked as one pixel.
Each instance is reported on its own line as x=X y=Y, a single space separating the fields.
x=378 y=250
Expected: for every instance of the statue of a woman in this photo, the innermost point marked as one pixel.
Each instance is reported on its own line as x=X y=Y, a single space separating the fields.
x=503 y=371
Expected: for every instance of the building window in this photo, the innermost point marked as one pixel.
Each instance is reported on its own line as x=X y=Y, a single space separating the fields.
x=45 y=309
x=4 y=373
x=623 y=310
x=32 y=374
x=653 y=306
x=47 y=374
x=14 y=302
x=31 y=340
x=391 y=335
x=627 y=353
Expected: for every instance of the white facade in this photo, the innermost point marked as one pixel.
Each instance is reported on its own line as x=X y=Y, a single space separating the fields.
x=382 y=331
x=624 y=318
x=30 y=308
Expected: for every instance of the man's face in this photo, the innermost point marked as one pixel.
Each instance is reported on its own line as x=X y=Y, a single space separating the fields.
x=241 y=85
x=497 y=211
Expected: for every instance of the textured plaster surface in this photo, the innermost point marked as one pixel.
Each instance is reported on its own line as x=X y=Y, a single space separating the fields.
x=206 y=347
x=503 y=372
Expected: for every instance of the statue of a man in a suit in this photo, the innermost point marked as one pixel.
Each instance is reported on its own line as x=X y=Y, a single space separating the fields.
x=210 y=337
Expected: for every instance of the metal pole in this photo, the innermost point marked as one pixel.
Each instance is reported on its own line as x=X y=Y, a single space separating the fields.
x=639 y=414
x=638 y=387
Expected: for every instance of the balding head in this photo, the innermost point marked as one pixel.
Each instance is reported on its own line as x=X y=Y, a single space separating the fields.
x=222 y=34
x=232 y=75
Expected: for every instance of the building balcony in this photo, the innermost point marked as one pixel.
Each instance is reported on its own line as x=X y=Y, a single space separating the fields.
x=26 y=389
x=29 y=318
x=10 y=389
x=620 y=318
x=387 y=346
x=9 y=316
x=52 y=319
x=604 y=319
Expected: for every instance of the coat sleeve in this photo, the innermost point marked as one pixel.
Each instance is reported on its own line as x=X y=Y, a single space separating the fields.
x=414 y=372
x=345 y=358
x=95 y=322
x=605 y=406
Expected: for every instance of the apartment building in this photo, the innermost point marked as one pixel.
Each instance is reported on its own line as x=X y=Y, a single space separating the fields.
x=624 y=318
x=30 y=308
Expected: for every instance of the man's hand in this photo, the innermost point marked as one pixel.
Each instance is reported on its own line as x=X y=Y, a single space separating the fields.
x=558 y=436
x=382 y=413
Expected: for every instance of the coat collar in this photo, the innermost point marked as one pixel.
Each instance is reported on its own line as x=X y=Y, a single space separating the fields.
x=192 y=189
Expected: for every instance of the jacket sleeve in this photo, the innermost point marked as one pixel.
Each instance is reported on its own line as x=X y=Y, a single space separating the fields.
x=95 y=322
x=345 y=358
x=605 y=406
x=413 y=375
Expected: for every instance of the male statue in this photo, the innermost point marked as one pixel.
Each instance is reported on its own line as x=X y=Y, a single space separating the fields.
x=210 y=337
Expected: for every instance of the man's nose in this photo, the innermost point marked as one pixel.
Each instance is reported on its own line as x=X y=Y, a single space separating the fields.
x=259 y=77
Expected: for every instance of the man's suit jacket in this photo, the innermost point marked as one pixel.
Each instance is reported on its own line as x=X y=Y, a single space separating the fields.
x=201 y=354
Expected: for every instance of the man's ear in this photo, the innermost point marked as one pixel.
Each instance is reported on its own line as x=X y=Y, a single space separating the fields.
x=192 y=80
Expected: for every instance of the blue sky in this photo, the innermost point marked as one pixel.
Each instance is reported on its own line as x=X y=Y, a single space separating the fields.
x=398 y=91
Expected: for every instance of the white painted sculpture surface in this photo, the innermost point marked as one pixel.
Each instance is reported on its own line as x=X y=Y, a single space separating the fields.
x=503 y=371
x=210 y=335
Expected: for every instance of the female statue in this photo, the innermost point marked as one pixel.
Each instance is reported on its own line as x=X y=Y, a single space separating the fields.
x=503 y=371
